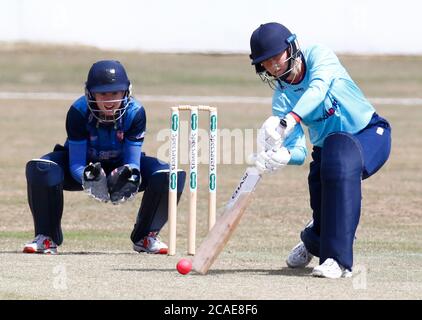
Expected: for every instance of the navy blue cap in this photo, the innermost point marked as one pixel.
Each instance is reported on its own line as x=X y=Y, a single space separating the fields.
x=269 y=40
x=107 y=76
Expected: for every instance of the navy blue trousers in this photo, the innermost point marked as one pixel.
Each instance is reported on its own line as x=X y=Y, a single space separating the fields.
x=334 y=182
x=152 y=213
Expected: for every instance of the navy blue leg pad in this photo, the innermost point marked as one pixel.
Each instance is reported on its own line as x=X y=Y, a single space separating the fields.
x=45 y=197
x=310 y=240
x=314 y=183
x=153 y=213
x=341 y=172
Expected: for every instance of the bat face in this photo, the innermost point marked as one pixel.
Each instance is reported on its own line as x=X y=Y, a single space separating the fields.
x=218 y=236
x=247 y=184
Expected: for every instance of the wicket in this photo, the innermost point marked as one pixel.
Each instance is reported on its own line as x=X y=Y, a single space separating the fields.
x=193 y=172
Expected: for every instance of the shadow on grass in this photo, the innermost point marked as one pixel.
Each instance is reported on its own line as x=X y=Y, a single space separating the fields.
x=74 y=253
x=287 y=272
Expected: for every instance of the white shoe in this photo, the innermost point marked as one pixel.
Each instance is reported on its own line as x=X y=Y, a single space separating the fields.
x=151 y=244
x=331 y=269
x=41 y=244
x=299 y=257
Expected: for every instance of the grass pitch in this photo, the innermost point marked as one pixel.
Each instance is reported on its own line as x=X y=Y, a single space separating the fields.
x=96 y=260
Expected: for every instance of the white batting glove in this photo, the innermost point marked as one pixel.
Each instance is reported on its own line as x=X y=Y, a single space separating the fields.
x=274 y=131
x=269 y=135
x=260 y=163
x=287 y=125
x=278 y=158
x=272 y=160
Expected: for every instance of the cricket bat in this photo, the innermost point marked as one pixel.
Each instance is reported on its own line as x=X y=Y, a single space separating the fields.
x=225 y=225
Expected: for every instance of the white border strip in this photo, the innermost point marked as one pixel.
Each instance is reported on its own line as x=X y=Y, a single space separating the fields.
x=191 y=99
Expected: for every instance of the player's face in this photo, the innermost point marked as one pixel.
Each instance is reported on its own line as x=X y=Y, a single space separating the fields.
x=108 y=102
x=277 y=65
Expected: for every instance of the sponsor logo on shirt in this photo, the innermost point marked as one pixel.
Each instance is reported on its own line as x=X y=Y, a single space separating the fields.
x=107 y=155
x=330 y=111
x=103 y=154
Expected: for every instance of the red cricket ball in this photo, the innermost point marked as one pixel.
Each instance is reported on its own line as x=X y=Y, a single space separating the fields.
x=184 y=266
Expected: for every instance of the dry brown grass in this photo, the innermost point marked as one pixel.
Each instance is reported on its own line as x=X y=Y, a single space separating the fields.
x=96 y=254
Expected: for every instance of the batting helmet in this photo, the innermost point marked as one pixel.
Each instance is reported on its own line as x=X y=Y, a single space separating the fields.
x=269 y=40
x=107 y=76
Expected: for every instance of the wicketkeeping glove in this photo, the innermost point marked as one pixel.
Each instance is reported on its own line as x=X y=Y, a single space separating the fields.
x=94 y=182
x=123 y=183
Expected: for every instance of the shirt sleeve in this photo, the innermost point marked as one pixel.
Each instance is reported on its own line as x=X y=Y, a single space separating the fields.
x=76 y=125
x=296 y=141
x=77 y=158
x=134 y=140
x=296 y=144
x=77 y=135
x=323 y=65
